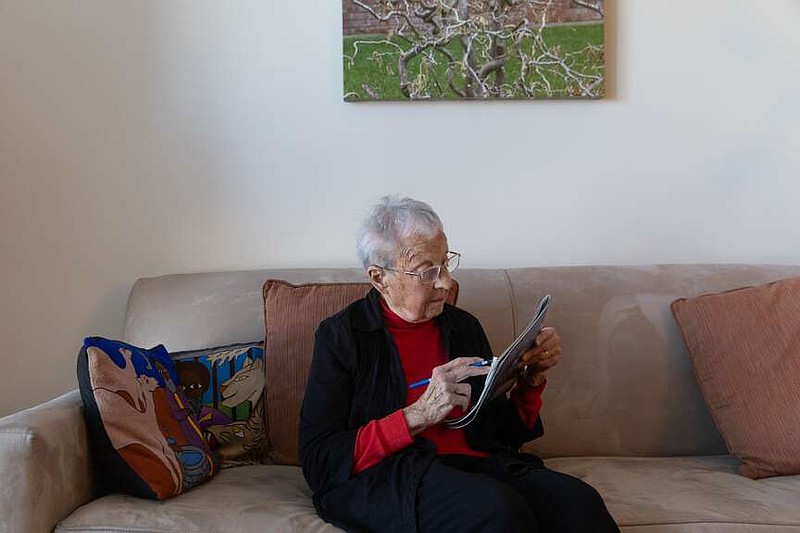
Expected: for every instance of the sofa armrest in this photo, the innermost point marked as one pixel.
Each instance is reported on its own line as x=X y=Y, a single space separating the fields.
x=44 y=465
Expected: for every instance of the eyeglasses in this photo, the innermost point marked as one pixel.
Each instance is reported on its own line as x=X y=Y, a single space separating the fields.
x=430 y=275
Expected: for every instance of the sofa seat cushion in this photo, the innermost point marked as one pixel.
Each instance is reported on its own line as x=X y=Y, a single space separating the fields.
x=245 y=499
x=645 y=495
x=677 y=494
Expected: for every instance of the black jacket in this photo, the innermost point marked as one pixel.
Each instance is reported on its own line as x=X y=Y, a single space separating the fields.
x=356 y=377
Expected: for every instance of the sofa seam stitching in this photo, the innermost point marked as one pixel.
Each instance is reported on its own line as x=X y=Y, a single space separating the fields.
x=731 y=522
x=513 y=302
x=24 y=432
x=106 y=529
x=115 y=529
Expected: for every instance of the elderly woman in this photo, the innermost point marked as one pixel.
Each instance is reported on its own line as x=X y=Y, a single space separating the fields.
x=374 y=451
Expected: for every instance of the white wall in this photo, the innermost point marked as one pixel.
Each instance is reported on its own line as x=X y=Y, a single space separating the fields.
x=142 y=137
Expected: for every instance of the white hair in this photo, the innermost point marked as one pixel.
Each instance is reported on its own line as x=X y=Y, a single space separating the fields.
x=393 y=220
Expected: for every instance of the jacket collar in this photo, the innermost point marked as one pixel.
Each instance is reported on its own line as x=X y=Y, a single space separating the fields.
x=369 y=316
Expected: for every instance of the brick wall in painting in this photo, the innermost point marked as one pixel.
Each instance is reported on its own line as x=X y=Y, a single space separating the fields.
x=357 y=20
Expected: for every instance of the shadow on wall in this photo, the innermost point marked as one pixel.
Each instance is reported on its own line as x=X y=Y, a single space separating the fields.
x=106 y=317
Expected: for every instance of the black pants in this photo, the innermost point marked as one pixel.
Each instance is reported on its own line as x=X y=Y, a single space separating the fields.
x=460 y=493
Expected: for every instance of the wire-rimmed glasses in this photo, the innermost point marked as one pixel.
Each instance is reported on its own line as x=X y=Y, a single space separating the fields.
x=430 y=275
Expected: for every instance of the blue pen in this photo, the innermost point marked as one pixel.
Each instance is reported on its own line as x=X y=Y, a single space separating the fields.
x=424 y=382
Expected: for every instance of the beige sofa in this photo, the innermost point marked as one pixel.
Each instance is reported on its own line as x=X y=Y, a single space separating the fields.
x=622 y=410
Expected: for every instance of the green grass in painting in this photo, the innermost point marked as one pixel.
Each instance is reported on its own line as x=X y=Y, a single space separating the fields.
x=375 y=65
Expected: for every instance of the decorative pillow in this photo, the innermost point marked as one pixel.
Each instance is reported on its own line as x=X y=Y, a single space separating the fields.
x=225 y=390
x=146 y=440
x=292 y=314
x=745 y=347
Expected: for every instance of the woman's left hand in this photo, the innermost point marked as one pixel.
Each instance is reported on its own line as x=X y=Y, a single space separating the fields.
x=543 y=356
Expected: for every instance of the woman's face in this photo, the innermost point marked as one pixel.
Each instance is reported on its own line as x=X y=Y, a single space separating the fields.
x=406 y=295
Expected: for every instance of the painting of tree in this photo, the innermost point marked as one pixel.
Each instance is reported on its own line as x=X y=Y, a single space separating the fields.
x=473 y=49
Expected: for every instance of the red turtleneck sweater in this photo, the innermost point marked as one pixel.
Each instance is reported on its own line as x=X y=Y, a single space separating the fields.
x=421 y=349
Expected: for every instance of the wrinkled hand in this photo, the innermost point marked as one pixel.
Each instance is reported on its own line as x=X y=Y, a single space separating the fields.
x=544 y=355
x=444 y=392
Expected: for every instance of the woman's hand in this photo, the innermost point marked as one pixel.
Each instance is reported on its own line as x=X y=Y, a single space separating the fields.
x=443 y=393
x=543 y=356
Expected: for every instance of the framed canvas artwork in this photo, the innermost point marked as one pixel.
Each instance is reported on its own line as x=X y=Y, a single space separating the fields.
x=473 y=49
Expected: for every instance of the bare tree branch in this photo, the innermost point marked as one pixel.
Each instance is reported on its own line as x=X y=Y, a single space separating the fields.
x=596 y=6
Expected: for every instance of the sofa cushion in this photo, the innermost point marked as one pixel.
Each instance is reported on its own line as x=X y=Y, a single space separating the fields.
x=225 y=390
x=144 y=438
x=745 y=346
x=292 y=314
x=701 y=494
x=250 y=499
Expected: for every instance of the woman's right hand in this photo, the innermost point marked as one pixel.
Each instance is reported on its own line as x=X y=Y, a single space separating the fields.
x=444 y=392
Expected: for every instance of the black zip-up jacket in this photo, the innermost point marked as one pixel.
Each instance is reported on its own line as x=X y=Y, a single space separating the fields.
x=356 y=377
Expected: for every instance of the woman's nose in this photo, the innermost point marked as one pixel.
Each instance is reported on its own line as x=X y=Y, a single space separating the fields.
x=444 y=281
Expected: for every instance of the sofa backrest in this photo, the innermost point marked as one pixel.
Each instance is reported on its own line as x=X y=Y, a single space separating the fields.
x=625 y=385
x=195 y=311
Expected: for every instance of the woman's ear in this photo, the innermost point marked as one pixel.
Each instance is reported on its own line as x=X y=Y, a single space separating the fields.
x=377 y=276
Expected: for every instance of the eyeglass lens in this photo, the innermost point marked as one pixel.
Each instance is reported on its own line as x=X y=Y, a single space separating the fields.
x=430 y=275
x=452 y=262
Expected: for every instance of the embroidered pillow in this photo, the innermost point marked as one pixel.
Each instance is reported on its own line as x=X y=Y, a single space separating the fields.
x=144 y=437
x=225 y=390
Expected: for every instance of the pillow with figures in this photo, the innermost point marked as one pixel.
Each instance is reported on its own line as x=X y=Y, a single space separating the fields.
x=225 y=390
x=143 y=434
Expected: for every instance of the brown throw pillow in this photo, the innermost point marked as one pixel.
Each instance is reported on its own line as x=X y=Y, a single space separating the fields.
x=292 y=314
x=745 y=347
